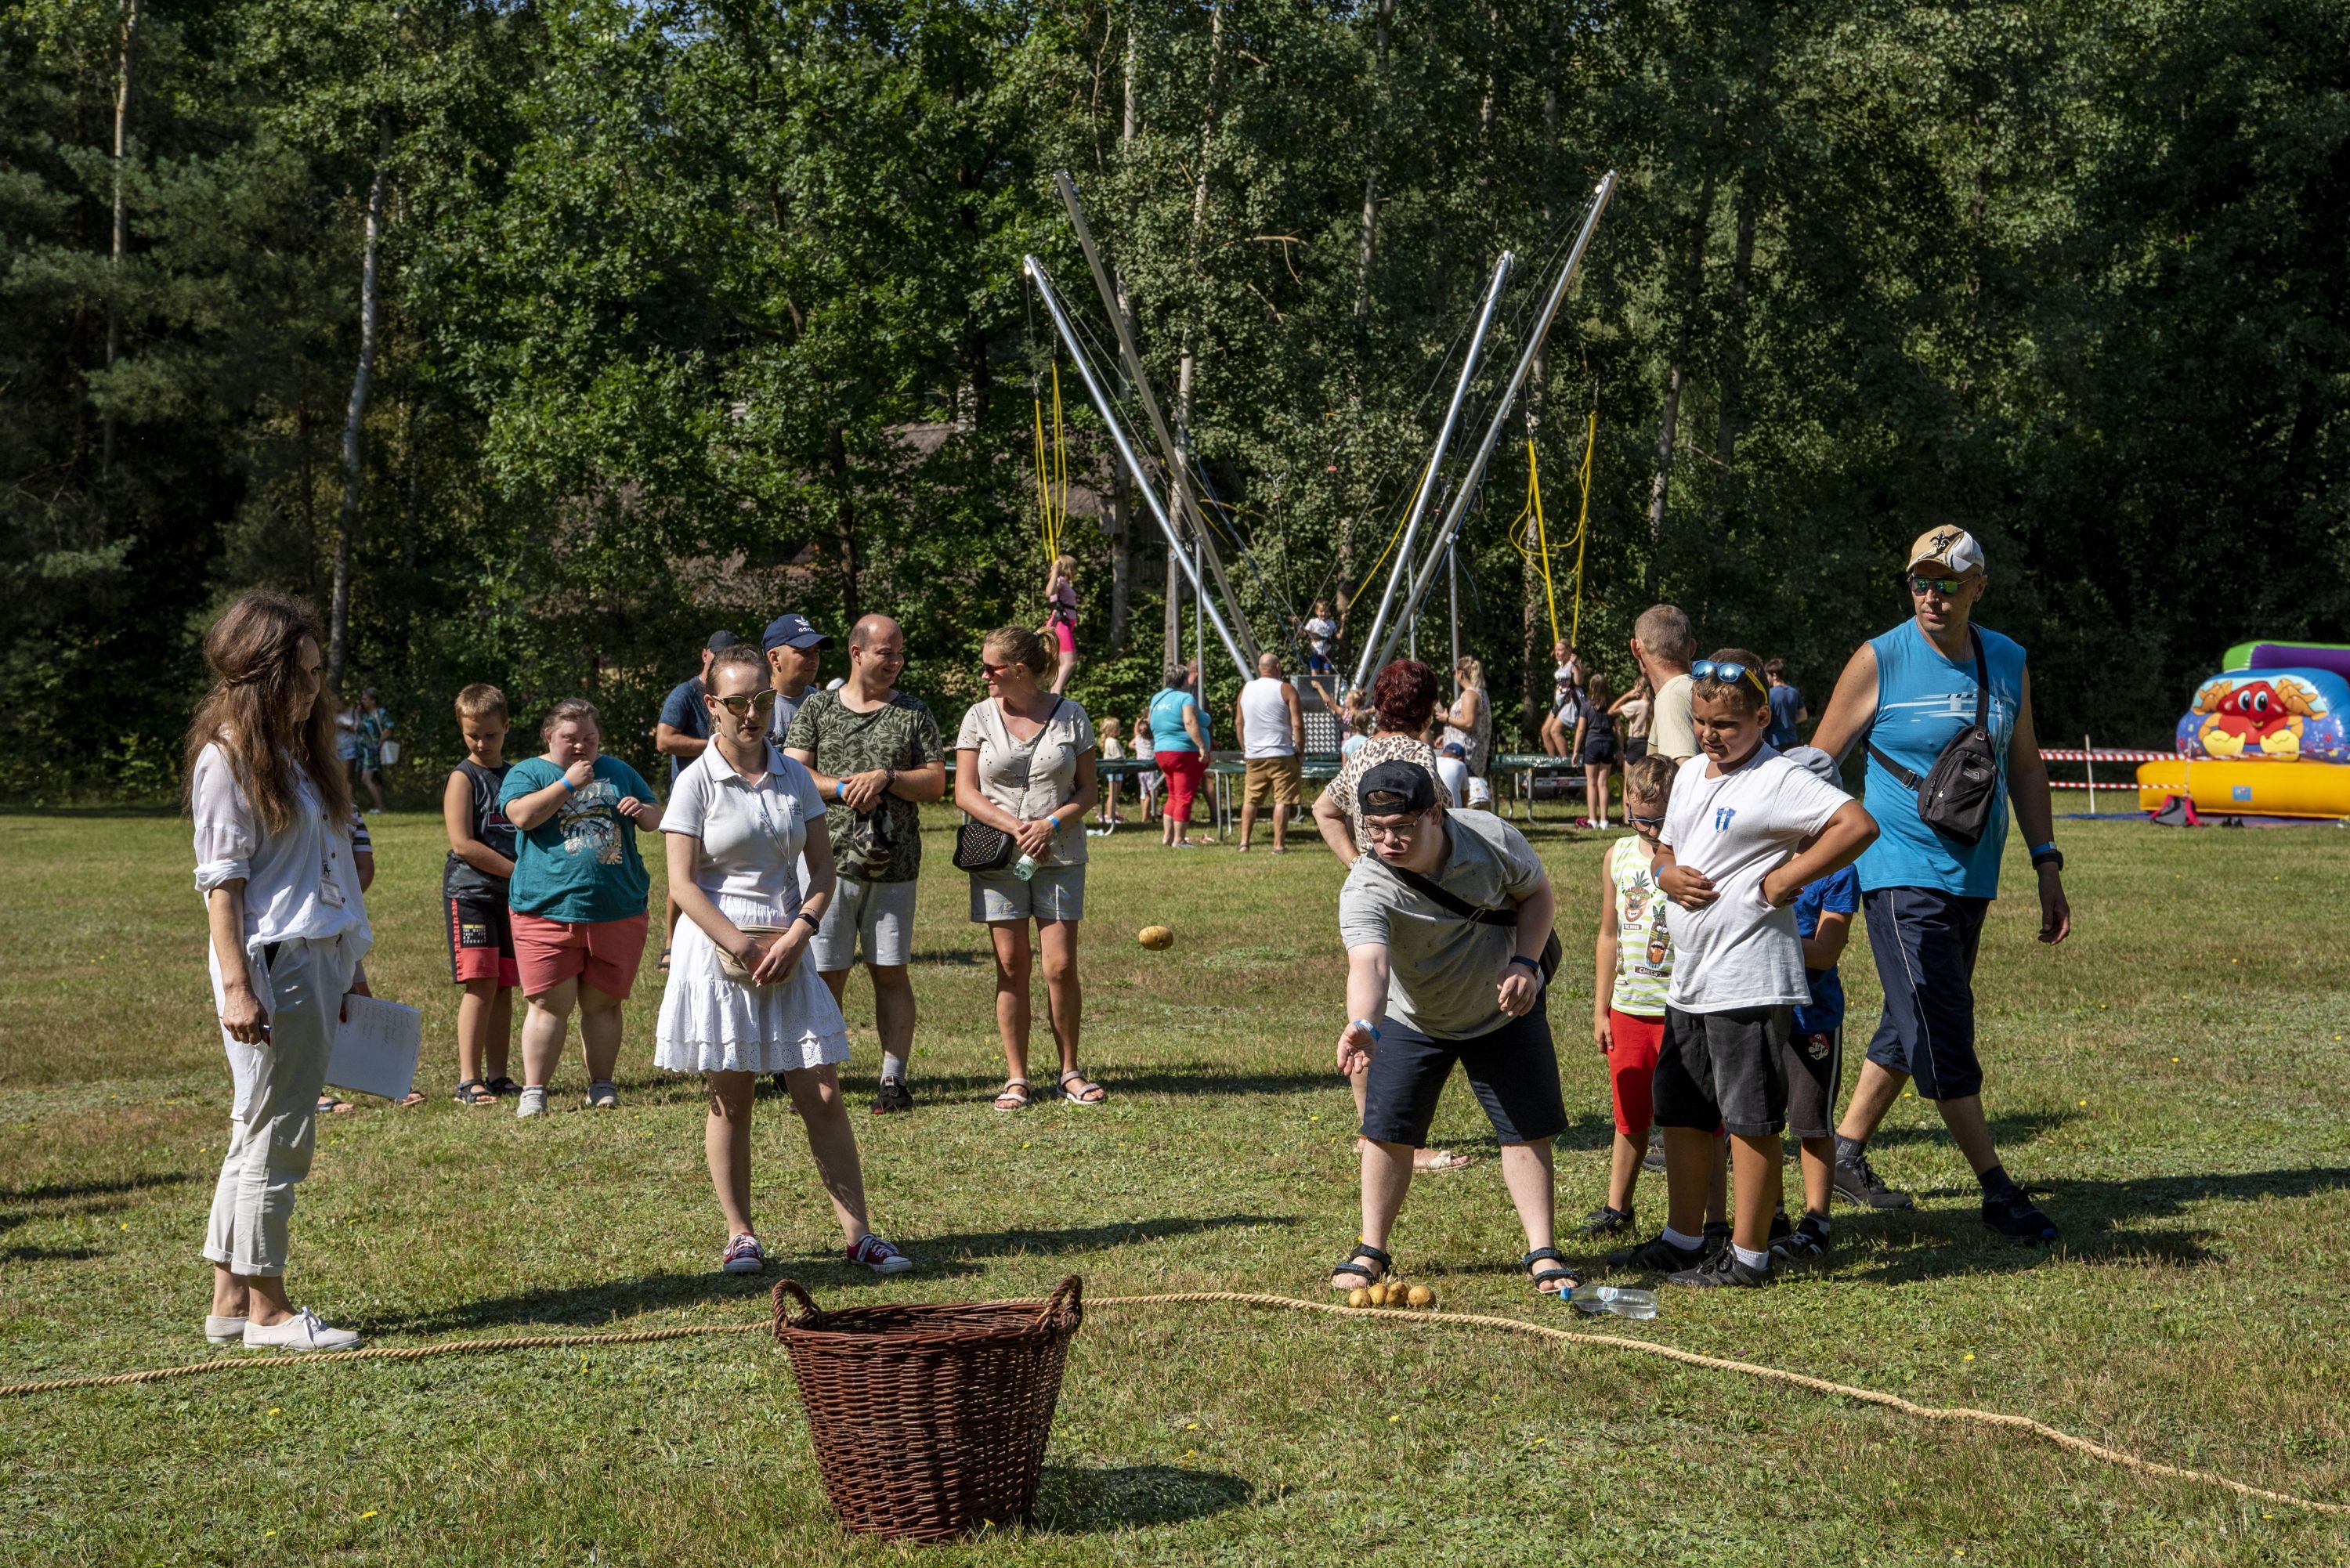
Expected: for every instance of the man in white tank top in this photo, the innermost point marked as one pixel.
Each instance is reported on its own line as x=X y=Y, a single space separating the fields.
x=1272 y=728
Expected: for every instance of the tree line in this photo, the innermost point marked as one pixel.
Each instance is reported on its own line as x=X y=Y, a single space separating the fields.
x=533 y=344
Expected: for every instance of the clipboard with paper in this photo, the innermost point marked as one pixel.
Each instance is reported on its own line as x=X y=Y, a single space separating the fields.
x=376 y=1047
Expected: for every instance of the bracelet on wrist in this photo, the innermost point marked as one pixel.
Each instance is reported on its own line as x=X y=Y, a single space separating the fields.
x=1529 y=963
x=1367 y=1027
x=815 y=921
x=568 y=787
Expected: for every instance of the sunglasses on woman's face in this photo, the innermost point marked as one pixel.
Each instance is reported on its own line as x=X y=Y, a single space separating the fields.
x=1726 y=673
x=992 y=671
x=748 y=703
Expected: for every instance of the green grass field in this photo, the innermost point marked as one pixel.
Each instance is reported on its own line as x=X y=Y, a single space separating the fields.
x=2172 y=1081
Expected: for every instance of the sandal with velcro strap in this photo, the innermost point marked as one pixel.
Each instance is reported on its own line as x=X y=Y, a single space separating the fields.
x=1363 y=1249
x=1551 y=1254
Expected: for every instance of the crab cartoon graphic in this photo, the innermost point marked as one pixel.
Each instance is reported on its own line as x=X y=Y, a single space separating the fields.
x=2256 y=718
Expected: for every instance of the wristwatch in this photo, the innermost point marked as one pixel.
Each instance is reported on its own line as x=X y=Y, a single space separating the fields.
x=814 y=920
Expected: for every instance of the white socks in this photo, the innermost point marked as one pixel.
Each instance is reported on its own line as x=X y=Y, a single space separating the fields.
x=1759 y=1261
x=893 y=1067
x=1686 y=1243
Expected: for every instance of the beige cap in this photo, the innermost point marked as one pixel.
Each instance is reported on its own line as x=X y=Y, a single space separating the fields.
x=1954 y=548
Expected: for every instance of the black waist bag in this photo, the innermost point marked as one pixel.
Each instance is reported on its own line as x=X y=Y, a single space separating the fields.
x=1955 y=797
x=1551 y=953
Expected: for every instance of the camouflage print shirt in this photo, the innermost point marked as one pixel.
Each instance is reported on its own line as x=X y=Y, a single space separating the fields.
x=884 y=844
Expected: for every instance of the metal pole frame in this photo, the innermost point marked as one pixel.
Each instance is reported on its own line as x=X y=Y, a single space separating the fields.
x=1450 y=526
x=1035 y=271
x=1398 y=574
x=1187 y=505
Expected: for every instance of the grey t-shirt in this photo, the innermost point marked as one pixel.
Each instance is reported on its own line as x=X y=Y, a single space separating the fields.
x=1443 y=971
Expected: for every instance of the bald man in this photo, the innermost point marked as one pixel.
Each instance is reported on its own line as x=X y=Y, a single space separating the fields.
x=1272 y=728
x=876 y=756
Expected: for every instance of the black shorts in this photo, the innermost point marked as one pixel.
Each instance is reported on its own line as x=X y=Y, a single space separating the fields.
x=1725 y=1069
x=1925 y=941
x=1635 y=747
x=1598 y=750
x=1814 y=1066
x=480 y=941
x=1512 y=1070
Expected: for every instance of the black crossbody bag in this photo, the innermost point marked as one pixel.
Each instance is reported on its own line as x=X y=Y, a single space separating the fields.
x=979 y=847
x=1478 y=914
x=1955 y=797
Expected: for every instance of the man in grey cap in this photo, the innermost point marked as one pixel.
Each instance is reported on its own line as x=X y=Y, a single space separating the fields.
x=1905 y=697
x=1446 y=923
x=794 y=650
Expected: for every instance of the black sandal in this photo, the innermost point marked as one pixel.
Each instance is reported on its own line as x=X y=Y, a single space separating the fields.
x=1363 y=1249
x=504 y=1087
x=475 y=1092
x=1552 y=1255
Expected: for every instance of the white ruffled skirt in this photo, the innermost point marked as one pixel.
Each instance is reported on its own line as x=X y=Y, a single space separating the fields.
x=710 y=1024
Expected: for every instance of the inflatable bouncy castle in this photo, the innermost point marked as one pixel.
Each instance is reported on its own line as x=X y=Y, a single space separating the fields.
x=2266 y=737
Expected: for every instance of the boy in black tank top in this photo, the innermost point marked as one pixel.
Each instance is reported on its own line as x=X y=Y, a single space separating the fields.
x=473 y=897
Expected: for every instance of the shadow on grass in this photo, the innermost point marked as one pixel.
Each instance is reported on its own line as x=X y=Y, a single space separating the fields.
x=936 y=1258
x=2100 y=1219
x=46 y=1201
x=2006 y=1131
x=57 y=1192
x=1079 y=1500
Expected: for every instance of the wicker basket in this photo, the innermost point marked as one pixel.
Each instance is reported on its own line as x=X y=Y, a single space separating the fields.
x=930 y=1421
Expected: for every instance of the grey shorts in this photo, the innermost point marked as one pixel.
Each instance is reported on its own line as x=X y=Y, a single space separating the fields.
x=1814 y=1063
x=882 y=913
x=1725 y=1069
x=1053 y=893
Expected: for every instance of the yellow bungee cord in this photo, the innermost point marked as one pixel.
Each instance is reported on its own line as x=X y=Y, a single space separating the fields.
x=1052 y=470
x=1530 y=533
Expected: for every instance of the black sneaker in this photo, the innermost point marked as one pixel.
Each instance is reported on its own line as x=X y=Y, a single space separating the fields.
x=892 y=1096
x=1717 y=1237
x=1779 y=1229
x=1604 y=1220
x=1855 y=1182
x=1808 y=1242
x=2018 y=1219
x=1722 y=1269
x=1654 y=1159
x=1655 y=1256
x=781 y=1087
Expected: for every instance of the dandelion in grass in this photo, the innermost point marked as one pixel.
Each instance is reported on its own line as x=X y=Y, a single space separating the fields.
x=371 y=1513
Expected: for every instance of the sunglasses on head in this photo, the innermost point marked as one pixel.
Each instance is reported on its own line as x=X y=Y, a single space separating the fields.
x=1946 y=587
x=1726 y=673
x=746 y=704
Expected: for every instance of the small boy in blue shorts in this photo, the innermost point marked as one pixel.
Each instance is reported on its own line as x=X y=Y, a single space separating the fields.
x=1824 y=912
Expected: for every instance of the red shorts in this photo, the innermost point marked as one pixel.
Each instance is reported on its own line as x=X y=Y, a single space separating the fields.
x=1632 y=1070
x=603 y=953
x=1184 y=771
x=480 y=941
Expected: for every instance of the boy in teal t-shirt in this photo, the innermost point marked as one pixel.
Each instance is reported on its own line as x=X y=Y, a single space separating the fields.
x=581 y=864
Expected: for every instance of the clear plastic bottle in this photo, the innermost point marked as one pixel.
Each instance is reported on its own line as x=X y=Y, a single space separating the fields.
x=1025 y=868
x=1593 y=1300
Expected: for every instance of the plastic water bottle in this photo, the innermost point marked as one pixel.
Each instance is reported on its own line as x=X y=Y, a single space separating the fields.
x=1025 y=868
x=1623 y=1302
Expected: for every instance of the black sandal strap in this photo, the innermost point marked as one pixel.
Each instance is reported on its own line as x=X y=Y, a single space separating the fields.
x=1351 y=1267
x=1547 y=1276
x=1538 y=1254
x=1365 y=1250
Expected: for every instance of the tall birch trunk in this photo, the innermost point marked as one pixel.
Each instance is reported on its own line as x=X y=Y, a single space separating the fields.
x=1729 y=414
x=1384 y=14
x=122 y=80
x=347 y=524
x=1660 y=484
x=1180 y=498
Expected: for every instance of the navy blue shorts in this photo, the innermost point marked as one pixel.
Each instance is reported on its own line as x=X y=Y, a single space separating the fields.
x=1925 y=943
x=1512 y=1070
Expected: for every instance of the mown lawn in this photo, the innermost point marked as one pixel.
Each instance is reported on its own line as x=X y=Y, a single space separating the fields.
x=2172 y=1081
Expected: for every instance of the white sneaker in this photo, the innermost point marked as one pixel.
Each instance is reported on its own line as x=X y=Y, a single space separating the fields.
x=603 y=1095
x=532 y=1102
x=223 y=1330
x=303 y=1331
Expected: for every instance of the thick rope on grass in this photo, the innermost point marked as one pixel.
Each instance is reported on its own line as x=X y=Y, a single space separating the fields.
x=1943 y=1413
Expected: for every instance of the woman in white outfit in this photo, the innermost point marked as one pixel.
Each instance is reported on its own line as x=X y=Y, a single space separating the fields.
x=273 y=863
x=740 y=1003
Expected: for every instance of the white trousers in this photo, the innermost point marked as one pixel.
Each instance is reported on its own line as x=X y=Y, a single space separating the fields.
x=273 y=1125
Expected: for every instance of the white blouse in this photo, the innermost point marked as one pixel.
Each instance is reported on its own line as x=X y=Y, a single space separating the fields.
x=752 y=830
x=1033 y=778
x=300 y=883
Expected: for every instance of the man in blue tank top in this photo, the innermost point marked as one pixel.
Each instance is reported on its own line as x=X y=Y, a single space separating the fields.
x=1924 y=894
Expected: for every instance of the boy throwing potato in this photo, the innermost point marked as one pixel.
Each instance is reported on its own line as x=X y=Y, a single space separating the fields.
x=1447 y=924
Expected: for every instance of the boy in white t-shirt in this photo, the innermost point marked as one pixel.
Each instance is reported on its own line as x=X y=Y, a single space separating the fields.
x=1746 y=830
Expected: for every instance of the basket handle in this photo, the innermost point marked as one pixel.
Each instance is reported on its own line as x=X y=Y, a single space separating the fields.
x=1070 y=1291
x=808 y=1302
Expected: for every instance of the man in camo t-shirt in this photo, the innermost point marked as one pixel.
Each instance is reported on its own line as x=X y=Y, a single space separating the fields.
x=876 y=750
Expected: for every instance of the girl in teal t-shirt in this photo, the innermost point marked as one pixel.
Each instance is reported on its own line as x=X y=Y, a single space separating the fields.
x=581 y=863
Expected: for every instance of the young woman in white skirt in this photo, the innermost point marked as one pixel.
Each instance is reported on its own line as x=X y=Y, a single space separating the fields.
x=740 y=1003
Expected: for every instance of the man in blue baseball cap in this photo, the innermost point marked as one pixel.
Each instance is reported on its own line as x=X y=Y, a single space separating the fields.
x=794 y=650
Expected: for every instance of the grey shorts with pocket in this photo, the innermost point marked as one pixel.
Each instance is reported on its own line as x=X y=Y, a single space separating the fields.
x=880 y=913
x=1053 y=893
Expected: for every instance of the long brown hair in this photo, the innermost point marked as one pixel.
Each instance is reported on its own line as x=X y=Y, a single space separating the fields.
x=254 y=650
